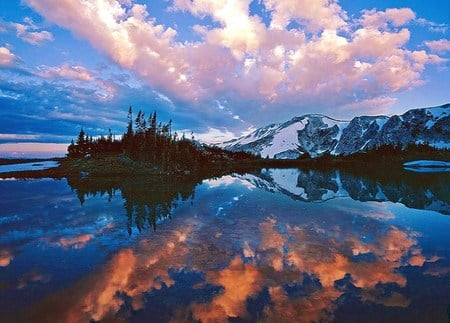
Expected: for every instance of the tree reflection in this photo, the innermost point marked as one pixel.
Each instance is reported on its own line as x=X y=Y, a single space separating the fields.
x=147 y=200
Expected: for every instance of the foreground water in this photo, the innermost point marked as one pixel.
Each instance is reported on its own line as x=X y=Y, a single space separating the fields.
x=280 y=245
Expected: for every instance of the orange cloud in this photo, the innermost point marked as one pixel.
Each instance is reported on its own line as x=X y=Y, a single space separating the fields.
x=129 y=272
x=76 y=242
x=284 y=254
x=314 y=308
x=239 y=281
x=5 y=258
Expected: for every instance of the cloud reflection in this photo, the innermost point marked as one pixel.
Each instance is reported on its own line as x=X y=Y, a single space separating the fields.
x=5 y=258
x=297 y=262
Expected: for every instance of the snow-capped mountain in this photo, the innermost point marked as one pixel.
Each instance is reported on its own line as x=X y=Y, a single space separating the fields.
x=318 y=134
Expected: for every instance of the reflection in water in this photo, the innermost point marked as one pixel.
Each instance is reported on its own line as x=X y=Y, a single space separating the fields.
x=295 y=273
x=147 y=200
x=428 y=192
x=262 y=257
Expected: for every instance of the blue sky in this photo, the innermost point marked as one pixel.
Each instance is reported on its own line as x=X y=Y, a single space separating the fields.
x=217 y=68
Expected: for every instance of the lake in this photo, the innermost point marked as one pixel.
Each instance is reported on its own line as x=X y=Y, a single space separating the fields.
x=276 y=245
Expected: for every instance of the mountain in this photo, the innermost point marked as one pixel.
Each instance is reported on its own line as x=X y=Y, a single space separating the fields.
x=317 y=134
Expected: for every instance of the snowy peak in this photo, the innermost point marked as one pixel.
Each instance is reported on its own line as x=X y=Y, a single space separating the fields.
x=308 y=133
x=317 y=134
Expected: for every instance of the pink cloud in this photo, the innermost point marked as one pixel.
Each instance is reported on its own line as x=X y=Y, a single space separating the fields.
x=29 y=33
x=244 y=59
x=33 y=149
x=6 y=57
x=315 y=15
x=438 y=46
x=381 y=19
x=375 y=105
x=67 y=72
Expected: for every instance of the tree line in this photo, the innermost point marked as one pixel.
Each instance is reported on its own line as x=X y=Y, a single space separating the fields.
x=152 y=142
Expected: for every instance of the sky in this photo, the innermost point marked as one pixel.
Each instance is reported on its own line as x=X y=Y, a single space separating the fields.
x=219 y=69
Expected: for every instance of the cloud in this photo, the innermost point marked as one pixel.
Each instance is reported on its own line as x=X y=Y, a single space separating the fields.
x=381 y=19
x=240 y=32
x=239 y=281
x=33 y=149
x=33 y=37
x=314 y=15
x=239 y=58
x=438 y=46
x=14 y=136
x=6 y=57
x=54 y=108
x=29 y=33
x=373 y=106
x=66 y=71
x=433 y=26
x=77 y=242
x=5 y=258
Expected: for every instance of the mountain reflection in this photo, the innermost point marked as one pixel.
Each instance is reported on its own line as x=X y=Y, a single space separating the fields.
x=147 y=200
x=418 y=191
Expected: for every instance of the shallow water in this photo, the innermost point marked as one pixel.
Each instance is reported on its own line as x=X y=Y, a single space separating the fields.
x=28 y=166
x=280 y=245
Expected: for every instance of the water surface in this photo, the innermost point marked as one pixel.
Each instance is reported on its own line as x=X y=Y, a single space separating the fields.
x=279 y=245
x=28 y=166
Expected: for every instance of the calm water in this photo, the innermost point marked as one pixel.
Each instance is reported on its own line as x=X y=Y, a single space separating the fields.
x=280 y=245
x=28 y=166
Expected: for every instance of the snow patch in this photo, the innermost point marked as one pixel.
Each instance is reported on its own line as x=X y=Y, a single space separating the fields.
x=381 y=122
x=438 y=112
x=286 y=139
x=427 y=166
x=427 y=163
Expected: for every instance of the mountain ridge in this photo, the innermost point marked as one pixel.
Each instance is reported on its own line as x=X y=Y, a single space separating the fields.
x=316 y=134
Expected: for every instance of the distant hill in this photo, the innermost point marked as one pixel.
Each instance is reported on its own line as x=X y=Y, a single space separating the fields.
x=318 y=134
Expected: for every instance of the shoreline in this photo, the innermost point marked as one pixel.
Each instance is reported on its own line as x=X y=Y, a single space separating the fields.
x=119 y=165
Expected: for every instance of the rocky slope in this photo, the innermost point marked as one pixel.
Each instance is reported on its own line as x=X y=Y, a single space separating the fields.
x=318 y=134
